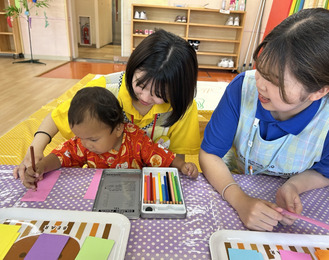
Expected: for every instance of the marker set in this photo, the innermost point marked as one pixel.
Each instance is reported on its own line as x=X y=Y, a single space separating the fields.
x=162 y=188
x=153 y=192
x=162 y=194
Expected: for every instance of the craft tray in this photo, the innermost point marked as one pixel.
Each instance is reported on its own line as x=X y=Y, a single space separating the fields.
x=267 y=243
x=122 y=191
x=76 y=224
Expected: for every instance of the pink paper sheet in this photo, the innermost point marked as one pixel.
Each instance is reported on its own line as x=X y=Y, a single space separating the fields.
x=93 y=187
x=290 y=255
x=44 y=187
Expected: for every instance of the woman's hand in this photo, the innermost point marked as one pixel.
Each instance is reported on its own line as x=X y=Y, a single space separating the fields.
x=258 y=214
x=288 y=198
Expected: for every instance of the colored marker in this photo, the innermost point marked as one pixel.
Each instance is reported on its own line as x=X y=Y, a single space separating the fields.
x=33 y=163
x=171 y=189
x=163 y=191
x=159 y=189
x=178 y=191
x=148 y=189
x=154 y=199
x=145 y=189
x=151 y=188
x=157 y=197
x=166 y=188
x=174 y=186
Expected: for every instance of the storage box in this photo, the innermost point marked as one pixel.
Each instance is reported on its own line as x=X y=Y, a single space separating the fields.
x=134 y=194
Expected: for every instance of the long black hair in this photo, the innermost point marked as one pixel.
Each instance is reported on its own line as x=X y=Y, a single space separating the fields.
x=170 y=64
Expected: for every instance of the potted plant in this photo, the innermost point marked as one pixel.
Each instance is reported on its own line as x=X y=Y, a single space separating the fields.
x=25 y=7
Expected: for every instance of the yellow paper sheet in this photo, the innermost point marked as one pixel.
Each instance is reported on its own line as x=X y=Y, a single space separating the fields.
x=8 y=236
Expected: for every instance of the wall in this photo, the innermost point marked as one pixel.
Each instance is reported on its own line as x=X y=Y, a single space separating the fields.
x=104 y=22
x=51 y=42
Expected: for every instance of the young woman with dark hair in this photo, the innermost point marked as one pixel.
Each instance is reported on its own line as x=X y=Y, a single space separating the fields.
x=156 y=93
x=276 y=119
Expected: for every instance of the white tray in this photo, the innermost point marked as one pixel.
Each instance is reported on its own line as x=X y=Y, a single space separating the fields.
x=119 y=231
x=266 y=243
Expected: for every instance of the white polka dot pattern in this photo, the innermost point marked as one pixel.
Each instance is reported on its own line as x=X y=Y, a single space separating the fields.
x=172 y=238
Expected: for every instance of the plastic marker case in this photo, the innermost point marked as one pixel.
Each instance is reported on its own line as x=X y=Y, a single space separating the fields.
x=135 y=194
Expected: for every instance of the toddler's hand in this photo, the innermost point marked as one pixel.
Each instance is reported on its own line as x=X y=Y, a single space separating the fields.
x=19 y=171
x=31 y=177
x=190 y=169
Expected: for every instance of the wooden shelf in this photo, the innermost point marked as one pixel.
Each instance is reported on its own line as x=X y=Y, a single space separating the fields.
x=217 y=40
x=217 y=54
x=159 y=22
x=10 y=41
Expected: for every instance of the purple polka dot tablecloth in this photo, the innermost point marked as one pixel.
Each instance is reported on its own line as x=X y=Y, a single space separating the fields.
x=172 y=238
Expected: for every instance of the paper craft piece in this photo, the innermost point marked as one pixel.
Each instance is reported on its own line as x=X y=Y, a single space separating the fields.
x=8 y=235
x=310 y=220
x=44 y=187
x=95 y=248
x=47 y=246
x=322 y=254
x=238 y=254
x=92 y=190
x=209 y=94
x=290 y=255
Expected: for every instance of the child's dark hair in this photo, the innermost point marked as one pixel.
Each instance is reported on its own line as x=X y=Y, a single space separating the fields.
x=96 y=102
x=170 y=64
x=300 y=44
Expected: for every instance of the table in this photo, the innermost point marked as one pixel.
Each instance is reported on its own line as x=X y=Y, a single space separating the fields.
x=172 y=238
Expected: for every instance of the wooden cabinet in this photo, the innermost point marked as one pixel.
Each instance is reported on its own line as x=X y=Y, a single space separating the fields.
x=10 y=41
x=208 y=26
